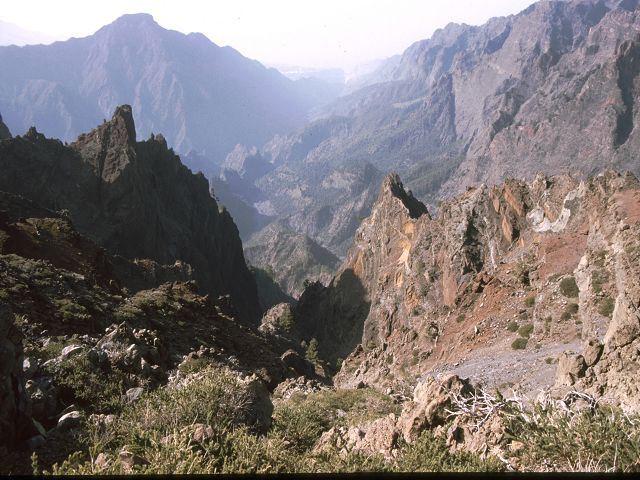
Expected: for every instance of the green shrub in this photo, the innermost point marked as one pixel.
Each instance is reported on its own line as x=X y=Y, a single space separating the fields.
x=568 y=287
x=312 y=351
x=513 y=326
x=431 y=454
x=519 y=343
x=95 y=389
x=606 y=306
x=600 y=440
x=526 y=330
x=565 y=316
x=460 y=318
x=530 y=301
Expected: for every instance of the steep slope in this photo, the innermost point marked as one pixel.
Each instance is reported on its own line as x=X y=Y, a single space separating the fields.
x=291 y=258
x=135 y=199
x=70 y=334
x=554 y=260
x=4 y=130
x=551 y=89
x=201 y=96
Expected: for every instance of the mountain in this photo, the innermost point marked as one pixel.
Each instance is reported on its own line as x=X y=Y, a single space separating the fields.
x=553 y=88
x=502 y=279
x=135 y=199
x=292 y=259
x=11 y=34
x=201 y=96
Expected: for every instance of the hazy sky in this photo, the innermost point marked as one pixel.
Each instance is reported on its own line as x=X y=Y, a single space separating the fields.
x=320 y=33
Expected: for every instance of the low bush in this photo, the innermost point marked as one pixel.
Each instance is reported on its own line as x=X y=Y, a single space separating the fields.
x=526 y=330
x=513 y=326
x=568 y=287
x=606 y=306
x=519 y=343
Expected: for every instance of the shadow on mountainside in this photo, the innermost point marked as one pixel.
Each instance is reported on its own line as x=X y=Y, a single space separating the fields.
x=334 y=315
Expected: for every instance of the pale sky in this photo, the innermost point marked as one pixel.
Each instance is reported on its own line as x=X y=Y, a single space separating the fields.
x=320 y=34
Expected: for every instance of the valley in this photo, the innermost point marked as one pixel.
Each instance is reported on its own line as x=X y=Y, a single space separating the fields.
x=209 y=267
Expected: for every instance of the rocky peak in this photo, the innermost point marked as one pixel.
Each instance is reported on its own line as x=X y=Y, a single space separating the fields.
x=4 y=130
x=392 y=188
x=110 y=147
x=137 y=200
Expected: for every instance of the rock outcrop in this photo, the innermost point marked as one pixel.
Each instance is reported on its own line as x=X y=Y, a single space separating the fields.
x=136 y=200
x=15 y=408
x=292 y=258
x=494 y=287
x=4 y=130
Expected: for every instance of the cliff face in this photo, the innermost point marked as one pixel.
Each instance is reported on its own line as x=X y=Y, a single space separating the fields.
x=553 y=259
x=291 y=258
x=137 y=200
x=553 y=89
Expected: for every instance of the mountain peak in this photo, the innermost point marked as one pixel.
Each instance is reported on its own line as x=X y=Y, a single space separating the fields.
x=123 y=116
x=392 y=188
x=110 y=147
x=135 y=20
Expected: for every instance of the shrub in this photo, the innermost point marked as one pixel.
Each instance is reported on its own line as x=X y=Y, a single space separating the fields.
x=460 y=318
x=606 y=306
x=603 y=439
x=568 y=287
x=530 y=301
x=519 y=343
x=526 y=330
x=513 y=326
x=96 y=389
x=312 y=351
x=431 y=454
x=565 y=316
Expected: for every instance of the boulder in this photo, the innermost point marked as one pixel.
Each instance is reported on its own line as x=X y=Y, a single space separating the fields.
x=70 y=420
x=133 y=394
x=257 y=408
x=430 y=399
x=571 y=367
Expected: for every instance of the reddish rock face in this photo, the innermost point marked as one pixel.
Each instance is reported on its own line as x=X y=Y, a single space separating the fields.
x=422 y=293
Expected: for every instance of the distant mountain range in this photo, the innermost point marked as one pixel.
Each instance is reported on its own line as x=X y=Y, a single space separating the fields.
x=11 y=34
x=553 y=89
x=204 y=98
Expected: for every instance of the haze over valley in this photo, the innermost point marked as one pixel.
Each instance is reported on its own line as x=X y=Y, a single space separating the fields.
x=391 y=239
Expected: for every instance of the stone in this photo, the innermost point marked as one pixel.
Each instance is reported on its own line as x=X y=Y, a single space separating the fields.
x=291 y=359
x=70 y=351
x=102 y=461
x=202 y=433
x=592 y=352
x=29 y=367
x=133 y=394
x=69 y=421
x=258 y=408
x=571 y=367
x=430 y=399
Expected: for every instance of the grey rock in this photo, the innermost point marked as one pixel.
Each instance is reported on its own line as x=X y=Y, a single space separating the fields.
x=133 y=394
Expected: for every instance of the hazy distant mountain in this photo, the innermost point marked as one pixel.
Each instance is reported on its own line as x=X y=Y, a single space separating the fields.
x=201 y=96
x=11 y=34
x=554 y=88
